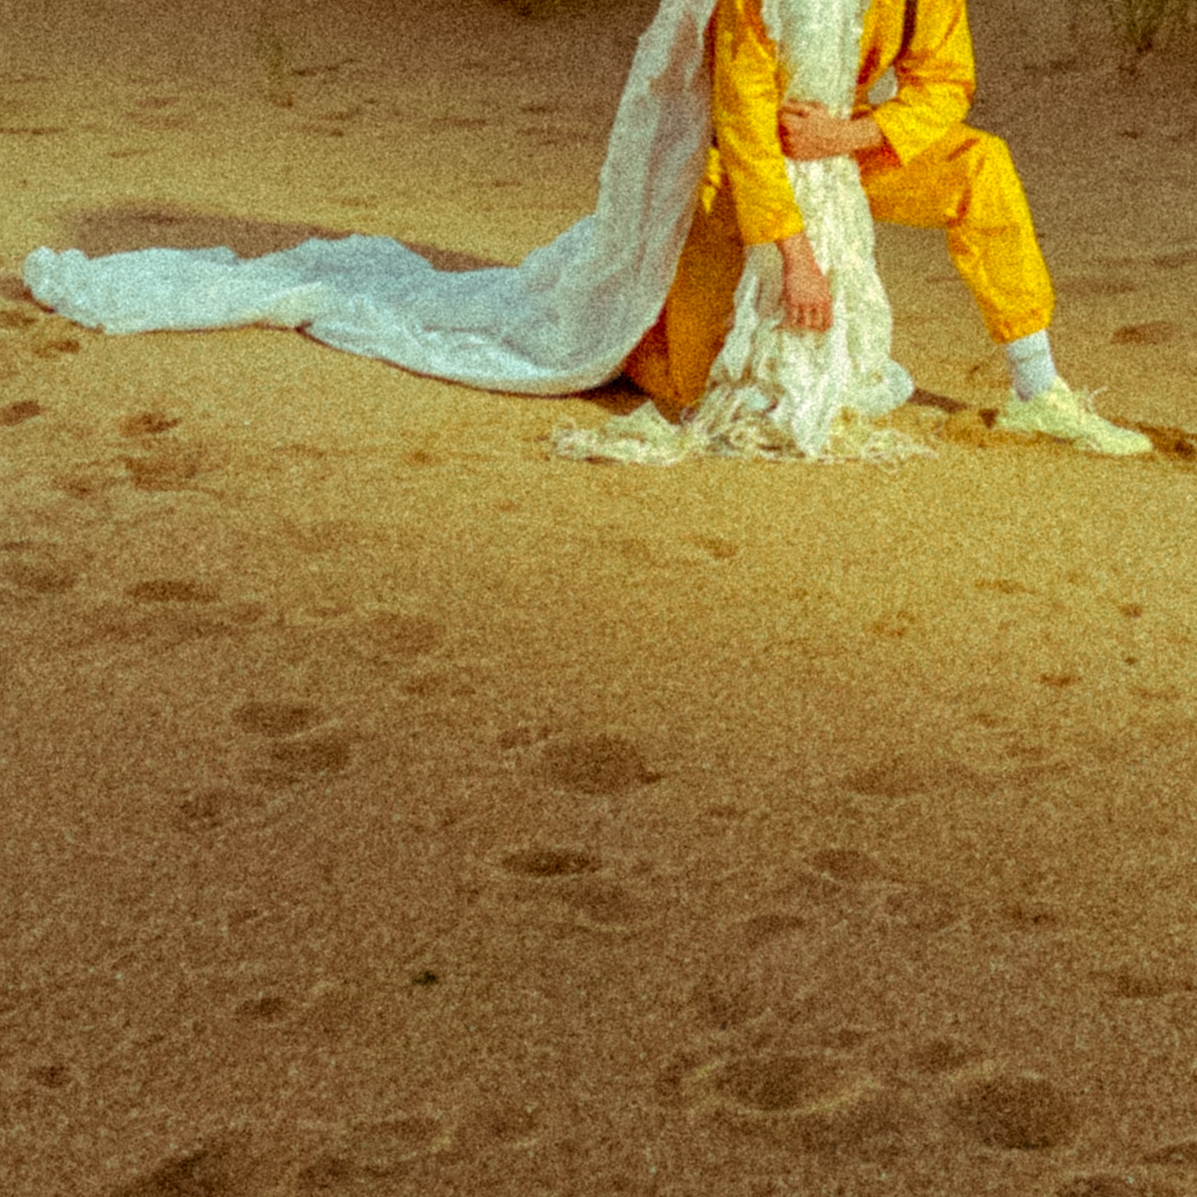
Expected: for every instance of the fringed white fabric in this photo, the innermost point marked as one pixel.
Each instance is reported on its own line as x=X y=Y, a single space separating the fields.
x=562 y=321
x=776 y=393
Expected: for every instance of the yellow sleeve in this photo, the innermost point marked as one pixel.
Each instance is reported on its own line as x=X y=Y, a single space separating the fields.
x=746 y=92
x=936 y=80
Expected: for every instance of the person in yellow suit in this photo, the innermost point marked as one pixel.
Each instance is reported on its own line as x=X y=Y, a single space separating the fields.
x=920 y=165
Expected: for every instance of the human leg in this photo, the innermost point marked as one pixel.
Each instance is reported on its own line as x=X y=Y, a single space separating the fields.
x=967 y=185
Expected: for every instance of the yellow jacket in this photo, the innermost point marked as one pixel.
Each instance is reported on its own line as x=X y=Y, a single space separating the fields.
x=936 y=82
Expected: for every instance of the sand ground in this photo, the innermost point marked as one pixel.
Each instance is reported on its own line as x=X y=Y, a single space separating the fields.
x=388 y=808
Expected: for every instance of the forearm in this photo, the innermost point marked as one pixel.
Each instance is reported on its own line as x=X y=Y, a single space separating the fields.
x=796 y=251
x=862 y=133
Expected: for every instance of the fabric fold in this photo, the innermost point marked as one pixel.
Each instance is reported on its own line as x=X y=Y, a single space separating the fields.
x=562 y=321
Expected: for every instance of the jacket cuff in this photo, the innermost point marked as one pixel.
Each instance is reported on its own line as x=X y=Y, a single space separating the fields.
x=756 y=228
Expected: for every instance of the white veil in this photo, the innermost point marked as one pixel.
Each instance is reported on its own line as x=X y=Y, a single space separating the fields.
x=564 y=320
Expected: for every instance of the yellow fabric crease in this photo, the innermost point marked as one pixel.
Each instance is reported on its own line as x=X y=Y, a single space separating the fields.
x=747 y=89
x=937 y=76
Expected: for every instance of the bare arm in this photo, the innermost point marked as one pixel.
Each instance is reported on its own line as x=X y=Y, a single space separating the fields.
x=807 y=131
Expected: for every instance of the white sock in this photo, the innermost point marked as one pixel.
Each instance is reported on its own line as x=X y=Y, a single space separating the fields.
x=1032 y=369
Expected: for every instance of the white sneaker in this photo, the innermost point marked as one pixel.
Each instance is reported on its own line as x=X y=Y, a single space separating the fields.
x=1064 y=413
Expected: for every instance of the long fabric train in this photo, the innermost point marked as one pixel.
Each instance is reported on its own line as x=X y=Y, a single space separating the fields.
x=562 y=321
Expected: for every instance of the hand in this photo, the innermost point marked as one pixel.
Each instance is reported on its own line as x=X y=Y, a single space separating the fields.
x=807 y=132
x=805 y=292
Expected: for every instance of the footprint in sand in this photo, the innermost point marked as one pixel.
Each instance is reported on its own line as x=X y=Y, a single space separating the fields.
x=394 y=638
x=1154 y=332
x=296 y=752
x=894 y=625
x=524 y=735
x=165 y=122
x=1174 y=261
x=604 y=904
x=171 y=466
x=208 y=809
x=774 y=963
x=891 y=903
x=812 y=1101
x=1002 y=586
x=275 y=718
x=82 y=483
x=223 y=1168
x=168 y=612
x=316 y=755
x=602 y=764
x=598 y=902
x=784 y=1082
x=367 y=1152
x=263 y=1009
x=717 y=547
x=1177 y=1155
x=37 y=568
x=332 y=1006
x=147 y=423
x=920 y=909
x=549 y=862
x=902 y=776
x=1019 y=1112
x=14 y=319
x=505 y=1125
x=51 y=1076
x=172 y=590
x=1030 y=916
x=820 y=952
x=57 y=347
x=1110 y=1185
x=380 y=638
x=1059 y=681
x=937 y=1057
x=16 y=413
x=846 y=864
x=1095 y=286
x=1132 y=983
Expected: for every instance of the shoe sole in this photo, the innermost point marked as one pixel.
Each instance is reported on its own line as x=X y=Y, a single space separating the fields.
x=1078 y=442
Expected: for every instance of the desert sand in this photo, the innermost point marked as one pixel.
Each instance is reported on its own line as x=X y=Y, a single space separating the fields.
x=390 y=808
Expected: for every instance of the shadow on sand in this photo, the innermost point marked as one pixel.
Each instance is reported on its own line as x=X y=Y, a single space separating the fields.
x=130 y=226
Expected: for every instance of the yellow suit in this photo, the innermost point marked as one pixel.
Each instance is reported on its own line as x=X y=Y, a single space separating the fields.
x=933 y=172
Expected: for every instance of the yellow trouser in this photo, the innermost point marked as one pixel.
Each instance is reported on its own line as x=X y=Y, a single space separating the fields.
x=965 y=183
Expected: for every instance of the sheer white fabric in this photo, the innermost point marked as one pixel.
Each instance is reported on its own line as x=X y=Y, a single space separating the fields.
x=564 y=320
x=775 y=393
x=567 y=317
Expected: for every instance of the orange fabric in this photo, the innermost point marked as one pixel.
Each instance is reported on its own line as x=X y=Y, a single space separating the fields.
x=673 y=358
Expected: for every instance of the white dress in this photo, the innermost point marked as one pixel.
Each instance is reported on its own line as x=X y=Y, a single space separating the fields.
x=773 y=392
